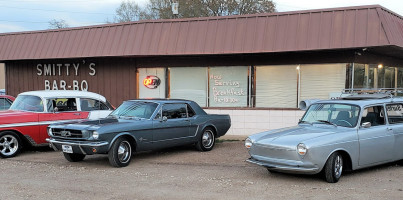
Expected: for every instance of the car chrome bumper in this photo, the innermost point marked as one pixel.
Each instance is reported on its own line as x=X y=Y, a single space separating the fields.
x=289 y=167
x=83 y=147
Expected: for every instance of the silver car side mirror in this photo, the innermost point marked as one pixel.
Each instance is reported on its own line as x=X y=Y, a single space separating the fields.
x=164 y=119
x=366 y=124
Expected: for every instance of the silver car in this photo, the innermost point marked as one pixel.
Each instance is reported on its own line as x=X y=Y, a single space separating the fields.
x=334 y=135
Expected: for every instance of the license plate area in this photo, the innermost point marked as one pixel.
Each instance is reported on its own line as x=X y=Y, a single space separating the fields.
x=67 y=149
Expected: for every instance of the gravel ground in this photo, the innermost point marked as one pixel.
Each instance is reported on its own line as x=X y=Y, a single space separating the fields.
x=182 y=173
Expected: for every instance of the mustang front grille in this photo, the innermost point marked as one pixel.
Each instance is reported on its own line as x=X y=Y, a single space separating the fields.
x=67 y=133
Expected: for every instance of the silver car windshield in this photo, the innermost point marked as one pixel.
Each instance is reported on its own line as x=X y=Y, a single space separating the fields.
x=135 y=109
x=333 y=114
x=27 y=103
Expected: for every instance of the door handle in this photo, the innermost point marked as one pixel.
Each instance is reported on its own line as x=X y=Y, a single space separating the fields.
x=77 y=114
x=389 y=129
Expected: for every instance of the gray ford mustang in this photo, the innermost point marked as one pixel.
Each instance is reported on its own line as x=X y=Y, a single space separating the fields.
x=334 y=135
x=139 y=125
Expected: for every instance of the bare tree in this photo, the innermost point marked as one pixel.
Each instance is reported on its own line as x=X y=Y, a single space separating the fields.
x=162 y=9
x=129 y=11
x=57 y=24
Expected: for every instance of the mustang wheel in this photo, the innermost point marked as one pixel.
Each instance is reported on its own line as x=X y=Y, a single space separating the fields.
x=10 y=144
x=206 y=141
x=334 y=168
x=74 y=157
x=121 y=153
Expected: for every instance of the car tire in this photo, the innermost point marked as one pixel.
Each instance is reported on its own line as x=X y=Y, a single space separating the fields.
x=10 y=144
x=206 y=140
x=74 y=157
x=333 y=168
x=120 y=153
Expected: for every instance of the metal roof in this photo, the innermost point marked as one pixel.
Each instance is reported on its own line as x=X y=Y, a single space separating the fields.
x=325 y=29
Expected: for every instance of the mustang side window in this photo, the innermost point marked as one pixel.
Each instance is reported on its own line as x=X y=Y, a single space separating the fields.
x=191 y=113
x=395 y=113
x=375 y=115
x=174 y=111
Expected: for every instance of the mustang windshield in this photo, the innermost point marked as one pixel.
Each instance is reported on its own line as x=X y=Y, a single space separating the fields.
x=27 y=103
x=333 y=114
x=140 y=109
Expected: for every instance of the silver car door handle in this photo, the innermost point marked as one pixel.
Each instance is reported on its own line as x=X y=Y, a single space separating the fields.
x=389 y=129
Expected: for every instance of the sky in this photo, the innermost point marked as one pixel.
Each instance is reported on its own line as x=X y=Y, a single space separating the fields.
x=31 y=15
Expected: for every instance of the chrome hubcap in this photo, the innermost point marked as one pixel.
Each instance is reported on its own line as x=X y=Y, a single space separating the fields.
x=338 y=166
x=124 y=152
x=8 y=145
x=207 y=139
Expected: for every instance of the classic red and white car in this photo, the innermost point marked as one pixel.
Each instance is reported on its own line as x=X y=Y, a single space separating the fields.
x=6 y=101
x=26 y=121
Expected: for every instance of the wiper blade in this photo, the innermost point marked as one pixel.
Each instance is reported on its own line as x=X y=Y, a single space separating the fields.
x=306 y=122
x=327 y=122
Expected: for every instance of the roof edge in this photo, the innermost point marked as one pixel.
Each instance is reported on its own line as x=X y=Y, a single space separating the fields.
x=375 y=6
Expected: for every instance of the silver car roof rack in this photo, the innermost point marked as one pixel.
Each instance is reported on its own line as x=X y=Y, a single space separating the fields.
x=371 y=93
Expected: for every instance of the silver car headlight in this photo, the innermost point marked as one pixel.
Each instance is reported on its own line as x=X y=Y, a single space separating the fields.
x=302 y=149
x=248 y=143
x=95 y=135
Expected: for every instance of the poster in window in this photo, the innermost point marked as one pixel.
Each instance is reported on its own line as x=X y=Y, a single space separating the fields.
x=228 y=86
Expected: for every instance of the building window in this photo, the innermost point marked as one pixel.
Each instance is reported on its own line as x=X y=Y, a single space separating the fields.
x=322 y=81
x=189 y=83
x=376 y=76
x=228 y=86
x=276 y=86
x=151 y=82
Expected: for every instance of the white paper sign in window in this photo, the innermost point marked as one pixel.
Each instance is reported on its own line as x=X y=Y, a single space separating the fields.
x=228 y=86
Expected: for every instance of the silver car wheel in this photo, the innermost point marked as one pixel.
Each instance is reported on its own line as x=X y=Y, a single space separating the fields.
x=8 y=145
x=338 y=166
x=208 y=139
x=124 y=152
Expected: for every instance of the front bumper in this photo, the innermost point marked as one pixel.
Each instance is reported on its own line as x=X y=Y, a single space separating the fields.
x=80 y=147
x=295 y=167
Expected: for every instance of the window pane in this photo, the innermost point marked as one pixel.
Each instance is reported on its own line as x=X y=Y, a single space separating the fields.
x=189 y=83
x=174 y=111
x=4 y=104
x=62 y=105
x=386 y=77
x=395 y=113
x=321 y=81
x=360 y=80
x=28 y=103
x=228 y=86
x=375 y=115
x=276 y=86
x=154 y=75
x=91 y=104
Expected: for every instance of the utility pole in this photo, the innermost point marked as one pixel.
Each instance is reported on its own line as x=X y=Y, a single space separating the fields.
x=175 y=9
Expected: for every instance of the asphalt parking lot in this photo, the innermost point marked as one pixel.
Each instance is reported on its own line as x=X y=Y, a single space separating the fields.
x=182 y=173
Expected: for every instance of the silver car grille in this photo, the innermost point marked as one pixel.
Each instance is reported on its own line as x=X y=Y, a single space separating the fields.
x=272 y=151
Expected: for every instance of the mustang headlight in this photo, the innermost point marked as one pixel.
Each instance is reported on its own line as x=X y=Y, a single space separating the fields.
x=95 y=135
x=248 y=143
x=301 y=149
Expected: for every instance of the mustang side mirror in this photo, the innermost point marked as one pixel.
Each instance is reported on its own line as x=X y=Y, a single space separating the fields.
x=164 y=119
x=366 y=124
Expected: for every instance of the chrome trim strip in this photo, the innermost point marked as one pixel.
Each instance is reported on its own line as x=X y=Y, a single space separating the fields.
x=35 y=123
x=79 y=143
